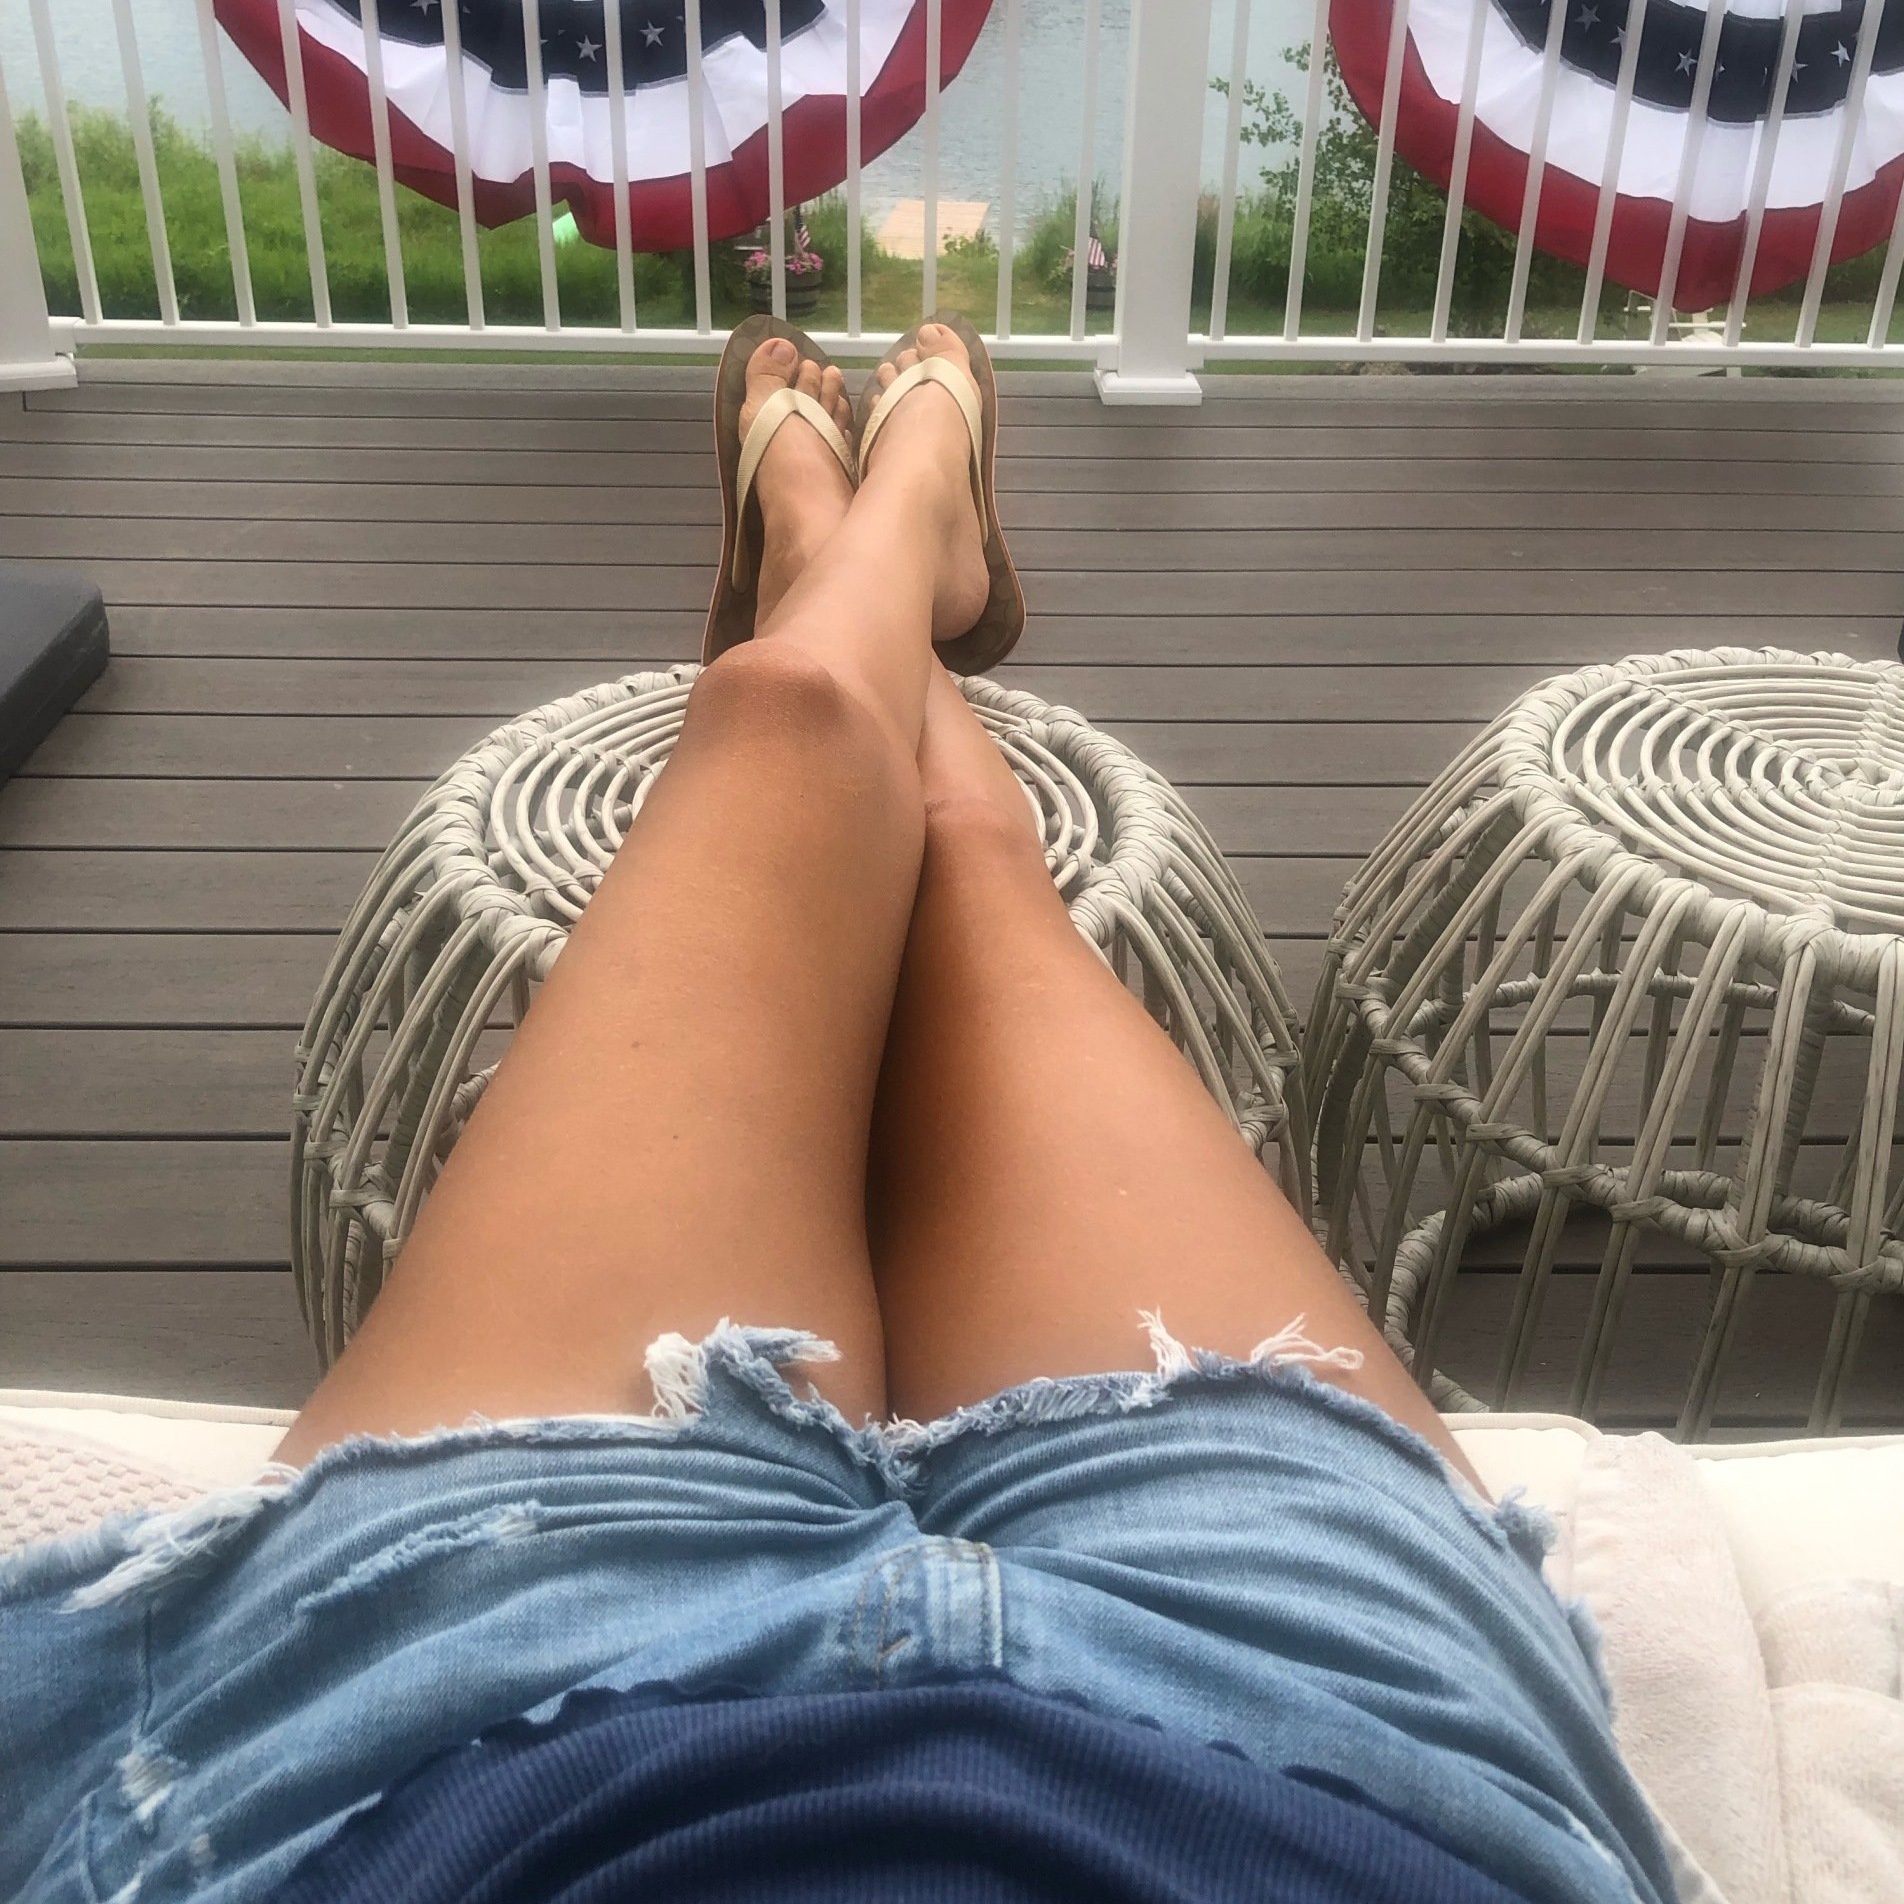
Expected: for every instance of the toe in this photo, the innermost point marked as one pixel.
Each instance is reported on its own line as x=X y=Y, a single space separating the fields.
x=884 y=375
x=768 y=369
x=807 y=380
x=939 y=340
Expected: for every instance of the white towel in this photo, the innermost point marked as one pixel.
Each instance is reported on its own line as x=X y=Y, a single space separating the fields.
x=1773 y=1748
x=1691 y=1707
x=1834 y=1656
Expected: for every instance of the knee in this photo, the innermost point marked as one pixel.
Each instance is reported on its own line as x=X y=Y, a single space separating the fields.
x=769 y=686
x=782 y=702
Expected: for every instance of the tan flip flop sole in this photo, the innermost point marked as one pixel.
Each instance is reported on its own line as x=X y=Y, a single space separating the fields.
x=993 y=636
x=730 y=615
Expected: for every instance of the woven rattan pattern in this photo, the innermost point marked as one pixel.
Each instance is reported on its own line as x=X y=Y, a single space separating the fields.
x=1677 y=882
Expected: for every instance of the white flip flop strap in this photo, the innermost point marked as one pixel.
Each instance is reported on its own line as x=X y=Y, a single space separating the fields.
x=766 y=424
x=959 y=382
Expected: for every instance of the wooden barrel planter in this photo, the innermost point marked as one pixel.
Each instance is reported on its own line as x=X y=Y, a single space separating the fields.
x=803 y=291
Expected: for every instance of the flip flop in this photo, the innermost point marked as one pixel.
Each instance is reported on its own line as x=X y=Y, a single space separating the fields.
x=996 y=632
x=730 y=616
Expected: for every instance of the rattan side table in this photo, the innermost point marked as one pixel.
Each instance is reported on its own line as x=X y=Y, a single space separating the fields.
x=468 y=910
x=1639 y=951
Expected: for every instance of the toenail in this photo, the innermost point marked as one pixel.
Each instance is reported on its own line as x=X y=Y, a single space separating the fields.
x=780 y=350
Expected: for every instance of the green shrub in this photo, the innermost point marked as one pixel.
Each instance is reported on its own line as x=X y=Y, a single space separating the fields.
x=1342 y=198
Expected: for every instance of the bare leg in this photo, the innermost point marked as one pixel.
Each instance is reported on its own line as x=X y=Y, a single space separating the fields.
x=678 y=1132
x=1045 y=1163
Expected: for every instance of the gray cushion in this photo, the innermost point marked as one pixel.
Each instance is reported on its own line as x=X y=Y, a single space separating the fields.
x=52 y=648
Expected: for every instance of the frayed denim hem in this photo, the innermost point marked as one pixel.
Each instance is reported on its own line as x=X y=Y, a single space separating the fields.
x=1054 y=1398
x=135 y=1553
x=139 y=1554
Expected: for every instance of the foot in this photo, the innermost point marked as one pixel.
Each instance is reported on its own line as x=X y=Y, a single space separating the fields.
x=803 y=491
x=924 y=445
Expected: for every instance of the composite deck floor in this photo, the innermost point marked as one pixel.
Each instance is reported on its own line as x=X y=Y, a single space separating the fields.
x=325 y=581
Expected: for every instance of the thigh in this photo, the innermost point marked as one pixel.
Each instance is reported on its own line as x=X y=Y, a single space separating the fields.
x=1049 y=1167
x=677 y=1133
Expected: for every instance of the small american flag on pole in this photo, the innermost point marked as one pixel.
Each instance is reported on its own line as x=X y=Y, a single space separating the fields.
x=802 y=238
x=1094 y=258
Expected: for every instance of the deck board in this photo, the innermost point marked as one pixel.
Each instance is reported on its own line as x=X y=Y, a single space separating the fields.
x=1252 y=549
x=1801 y=594
x=1570 y=634
x=1163 y=440
x=162 y=980
x=303 y=815
x=499 y=689
x=325 y=581
x=262 y=513
x=86 y=1082
x=415 y=746
x=1216 y=473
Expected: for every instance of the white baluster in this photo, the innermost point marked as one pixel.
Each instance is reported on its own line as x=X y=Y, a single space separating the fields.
x=1167 y=84
x=28 y=360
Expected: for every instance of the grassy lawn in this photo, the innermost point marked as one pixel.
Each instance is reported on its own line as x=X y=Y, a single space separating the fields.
x=664 y=284
x=432 y=249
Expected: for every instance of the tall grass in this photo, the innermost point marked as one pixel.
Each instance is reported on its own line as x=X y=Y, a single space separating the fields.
x=274 y=238
x=664 y=283
x=431 y=243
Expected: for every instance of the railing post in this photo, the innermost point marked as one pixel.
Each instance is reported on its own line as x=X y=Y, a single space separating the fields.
x=28 y=360
x=1166 y=93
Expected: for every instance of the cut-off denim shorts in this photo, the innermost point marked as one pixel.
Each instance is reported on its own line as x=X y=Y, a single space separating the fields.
x=1233 y=1550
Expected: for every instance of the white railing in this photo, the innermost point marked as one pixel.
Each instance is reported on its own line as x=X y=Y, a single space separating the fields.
x=1168 y=320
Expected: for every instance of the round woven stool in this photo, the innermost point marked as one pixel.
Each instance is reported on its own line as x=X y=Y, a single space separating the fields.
x=1631 y=969
x=468 y=911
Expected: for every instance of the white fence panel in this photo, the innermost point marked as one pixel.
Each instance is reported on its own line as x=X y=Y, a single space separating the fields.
x=1211 y=264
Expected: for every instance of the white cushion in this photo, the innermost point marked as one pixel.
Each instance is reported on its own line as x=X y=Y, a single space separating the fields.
x=199 y=1442
x=1794 y=1512
x=1802 y=1512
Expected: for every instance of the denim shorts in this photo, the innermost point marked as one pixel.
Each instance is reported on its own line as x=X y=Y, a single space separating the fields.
x=1232 y=1550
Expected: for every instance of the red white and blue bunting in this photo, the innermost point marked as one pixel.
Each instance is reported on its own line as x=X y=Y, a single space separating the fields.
x=1743 y=72
x=578 y=102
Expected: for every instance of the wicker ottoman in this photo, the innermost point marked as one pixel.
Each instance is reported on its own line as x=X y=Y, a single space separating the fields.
x=1633 y=968
x=468 y=911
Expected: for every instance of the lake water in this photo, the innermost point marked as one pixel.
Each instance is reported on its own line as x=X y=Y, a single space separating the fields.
x=1051 y=88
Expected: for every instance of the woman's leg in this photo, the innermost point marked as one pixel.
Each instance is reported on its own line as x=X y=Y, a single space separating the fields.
x=1046 y=1164
x=678 y=1132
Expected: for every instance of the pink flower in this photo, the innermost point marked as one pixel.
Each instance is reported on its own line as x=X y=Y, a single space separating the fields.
x=759 y=264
